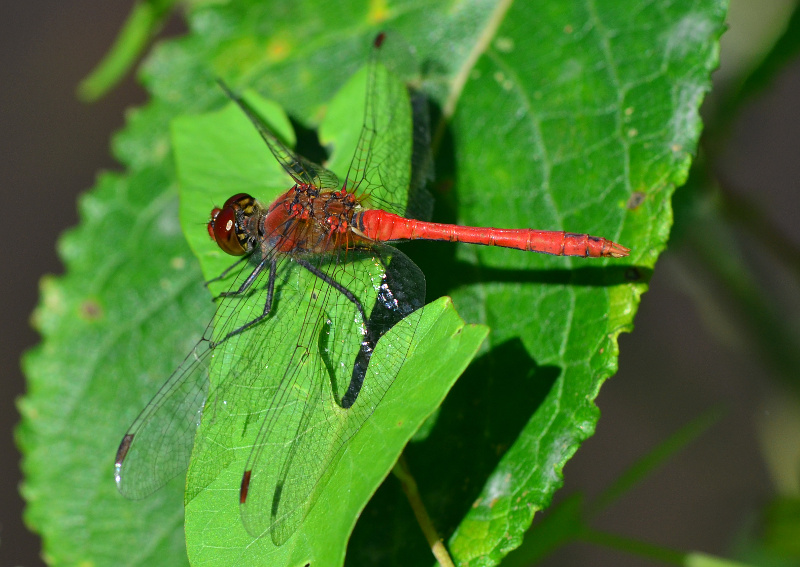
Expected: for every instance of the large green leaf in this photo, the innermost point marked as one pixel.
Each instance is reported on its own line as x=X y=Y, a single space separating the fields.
x=558 y=115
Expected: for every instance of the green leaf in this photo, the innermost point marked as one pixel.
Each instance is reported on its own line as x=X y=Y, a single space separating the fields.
x=110 y=339
x=600 y=121
x=561 y=115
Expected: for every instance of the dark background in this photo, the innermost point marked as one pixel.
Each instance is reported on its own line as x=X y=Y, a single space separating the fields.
x=685 y=356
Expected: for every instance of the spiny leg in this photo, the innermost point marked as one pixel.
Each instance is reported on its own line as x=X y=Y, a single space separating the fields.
x=243 y=288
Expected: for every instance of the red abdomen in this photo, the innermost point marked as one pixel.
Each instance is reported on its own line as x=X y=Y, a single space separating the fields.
x=382 y=226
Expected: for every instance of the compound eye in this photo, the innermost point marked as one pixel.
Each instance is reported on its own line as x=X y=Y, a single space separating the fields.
x=214 y=214
x=239 y=201
x=222 y=228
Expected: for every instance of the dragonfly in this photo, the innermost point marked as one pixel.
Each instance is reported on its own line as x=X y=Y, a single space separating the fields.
x=320 y=314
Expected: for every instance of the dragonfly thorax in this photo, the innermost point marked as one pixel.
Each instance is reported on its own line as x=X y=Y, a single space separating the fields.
x=307 y=220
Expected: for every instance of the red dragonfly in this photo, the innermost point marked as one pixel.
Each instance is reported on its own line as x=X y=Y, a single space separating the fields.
x=313 y=260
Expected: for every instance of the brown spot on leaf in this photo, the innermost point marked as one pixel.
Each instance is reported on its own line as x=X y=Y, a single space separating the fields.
x=636 y=199
x=91 y=310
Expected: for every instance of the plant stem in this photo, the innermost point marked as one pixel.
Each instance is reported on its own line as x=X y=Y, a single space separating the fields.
x=403 y=473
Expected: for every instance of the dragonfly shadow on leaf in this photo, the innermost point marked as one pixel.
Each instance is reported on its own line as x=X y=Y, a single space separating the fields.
x=445 y=273
x=586 y=276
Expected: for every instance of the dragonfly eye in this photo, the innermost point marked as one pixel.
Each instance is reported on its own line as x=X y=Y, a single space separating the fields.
x=241 y=201
x=223 y=229
x=214 y=214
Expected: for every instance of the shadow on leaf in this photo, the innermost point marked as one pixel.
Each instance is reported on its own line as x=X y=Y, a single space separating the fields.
x=480 y=419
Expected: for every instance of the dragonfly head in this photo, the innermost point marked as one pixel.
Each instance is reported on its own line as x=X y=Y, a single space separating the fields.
x=228 y=225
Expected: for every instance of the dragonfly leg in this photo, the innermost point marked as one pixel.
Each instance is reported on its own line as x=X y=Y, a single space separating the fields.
x=267 y=303
x=250 y=279
x=367 y=344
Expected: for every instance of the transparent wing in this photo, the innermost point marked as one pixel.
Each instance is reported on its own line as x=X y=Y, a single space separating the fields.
x=287 y=393
x=392 y=161
x=335 y=377
x=158 y=444
x=299 y=168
